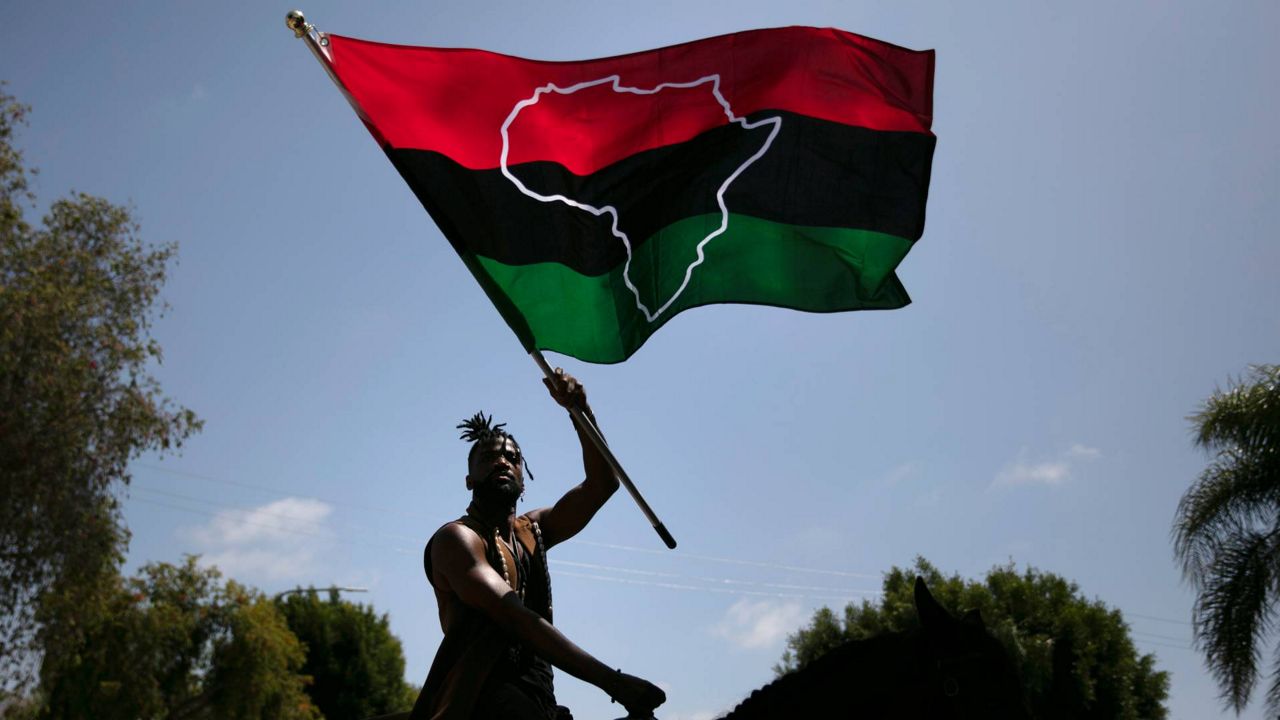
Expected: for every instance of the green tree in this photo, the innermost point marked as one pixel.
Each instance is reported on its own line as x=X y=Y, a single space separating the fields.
x=356 y=662
x=177 y=643
x=1074 y=655
x=1227 y=532
x=77 y=298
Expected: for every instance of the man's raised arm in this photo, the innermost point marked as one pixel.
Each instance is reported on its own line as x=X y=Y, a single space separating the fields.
x=575 y=509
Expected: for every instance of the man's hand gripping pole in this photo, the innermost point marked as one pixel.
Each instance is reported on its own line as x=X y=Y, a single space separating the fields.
x=592 y=432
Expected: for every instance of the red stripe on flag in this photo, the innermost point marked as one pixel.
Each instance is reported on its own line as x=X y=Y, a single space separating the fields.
x=455 y=101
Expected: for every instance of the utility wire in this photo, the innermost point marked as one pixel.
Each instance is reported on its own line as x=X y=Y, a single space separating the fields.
x=723 y=581
x=611 y=546
x=319 y=524
x=732 y=561
x=1159 y=619
x=271 y=513
x=680 y=586
x=1168 y=645
x=1160 y=637
x=278 y=528
x=714 y=580
x=280 y=491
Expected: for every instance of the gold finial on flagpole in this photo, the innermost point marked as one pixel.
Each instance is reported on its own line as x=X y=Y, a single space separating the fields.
x=318 y=44
x=303 y=30
x=297 y=22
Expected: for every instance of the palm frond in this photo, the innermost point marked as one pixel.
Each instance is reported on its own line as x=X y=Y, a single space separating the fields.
x=1247 y=415
x=1234 y=610
x=1237 y=490
x=1226 y=532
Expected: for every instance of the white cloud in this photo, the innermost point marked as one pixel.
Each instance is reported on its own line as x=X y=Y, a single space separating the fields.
x=902 y=472
x=1047 y=471
x=277 y=520
x=275 y=542
x=1084 y=452
x=754 y=624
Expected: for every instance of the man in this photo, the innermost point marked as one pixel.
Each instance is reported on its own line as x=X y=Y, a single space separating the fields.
x=489 y=573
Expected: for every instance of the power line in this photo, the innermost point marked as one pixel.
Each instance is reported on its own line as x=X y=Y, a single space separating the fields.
x=846 y=594
x=279 y=491
x=1168 y=645
x=611 y=546
x=1161 y=637
x=607 y=568
x=722 y=581
x=731 y=561
x=307 y=521
x=278 y=528
x=271 y=513
x=680 y=586
x=1159 y=619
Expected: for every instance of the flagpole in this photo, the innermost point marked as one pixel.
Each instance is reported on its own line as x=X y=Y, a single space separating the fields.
x=318 y=44
x=580 y=418
x=316 y=40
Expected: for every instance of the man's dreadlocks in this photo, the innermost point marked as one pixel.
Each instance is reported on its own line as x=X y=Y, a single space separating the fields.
x=479 y=429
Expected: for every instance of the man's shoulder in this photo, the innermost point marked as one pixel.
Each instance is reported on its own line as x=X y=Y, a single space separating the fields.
x=453 y=548
x=454 y=534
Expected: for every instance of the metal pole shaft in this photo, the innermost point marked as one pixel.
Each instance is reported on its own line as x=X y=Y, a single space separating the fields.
x=593 y=433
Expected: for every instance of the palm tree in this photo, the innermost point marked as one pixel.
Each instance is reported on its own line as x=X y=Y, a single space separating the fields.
x=1226 y=533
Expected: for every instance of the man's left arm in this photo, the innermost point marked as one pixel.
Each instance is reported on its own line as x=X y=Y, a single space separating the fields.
x=575 y=509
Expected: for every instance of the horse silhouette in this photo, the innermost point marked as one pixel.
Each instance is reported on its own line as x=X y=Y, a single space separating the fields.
x=948 y=668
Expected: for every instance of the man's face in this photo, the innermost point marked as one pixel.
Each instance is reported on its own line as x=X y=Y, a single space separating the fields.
x=496 y=472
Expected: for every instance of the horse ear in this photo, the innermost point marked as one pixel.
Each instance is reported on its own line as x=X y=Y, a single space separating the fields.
x=933 y=617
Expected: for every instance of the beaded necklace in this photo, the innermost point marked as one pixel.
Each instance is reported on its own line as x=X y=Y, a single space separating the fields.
x=506 y=573
x=516 y=548
x=540 y=551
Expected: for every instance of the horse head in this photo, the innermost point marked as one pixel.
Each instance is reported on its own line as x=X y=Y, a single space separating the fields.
x=967 y=672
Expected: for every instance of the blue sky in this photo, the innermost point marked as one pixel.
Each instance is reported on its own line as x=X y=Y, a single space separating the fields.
x=1100 y=253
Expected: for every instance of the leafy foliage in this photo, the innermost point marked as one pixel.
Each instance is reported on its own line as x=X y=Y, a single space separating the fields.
x=77 y=298
x=1227 y=532
x=356 y=663
x=1074 y=655
x=177 y=643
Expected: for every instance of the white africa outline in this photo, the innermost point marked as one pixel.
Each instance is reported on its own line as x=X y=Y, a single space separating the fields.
x=616 y=81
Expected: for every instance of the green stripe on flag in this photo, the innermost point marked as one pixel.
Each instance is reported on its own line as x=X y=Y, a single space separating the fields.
x=755 y=261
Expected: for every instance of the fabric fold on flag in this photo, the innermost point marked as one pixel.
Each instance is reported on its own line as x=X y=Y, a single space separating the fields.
x=594 y=200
